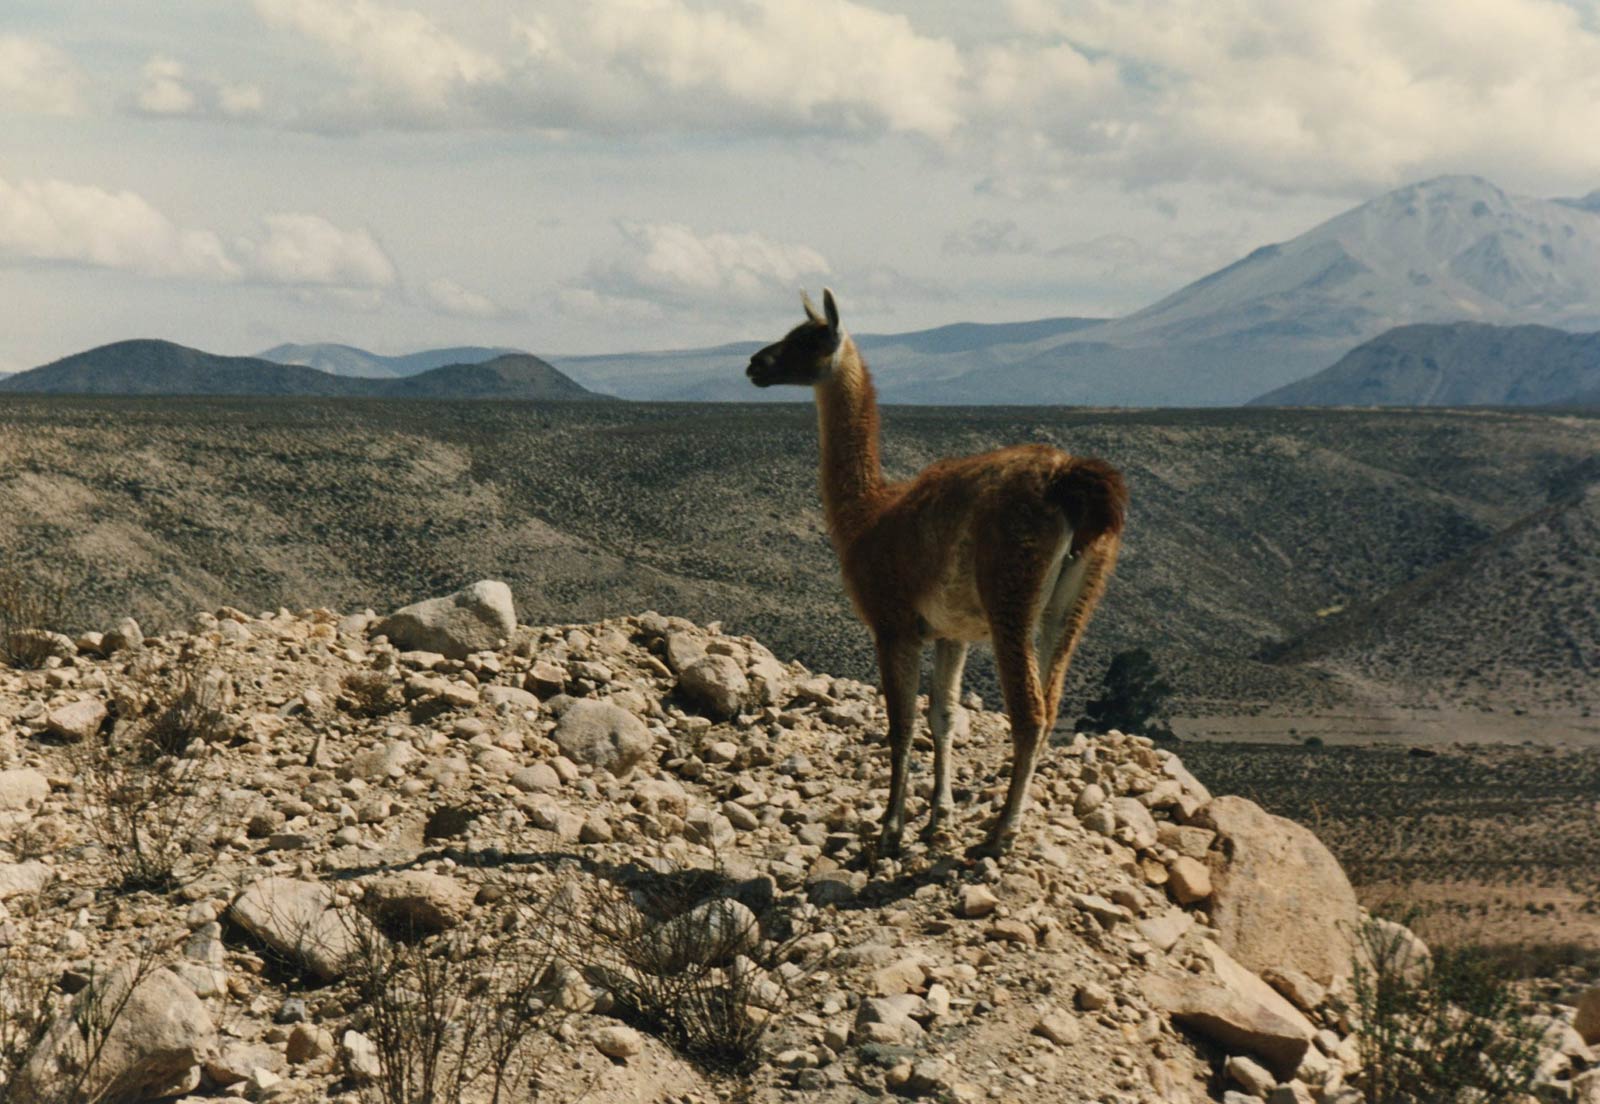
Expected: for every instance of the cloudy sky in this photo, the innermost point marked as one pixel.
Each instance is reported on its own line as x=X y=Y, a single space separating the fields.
x=600 y=175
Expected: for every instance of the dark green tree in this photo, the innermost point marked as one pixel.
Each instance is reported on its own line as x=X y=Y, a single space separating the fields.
x=1133 y=698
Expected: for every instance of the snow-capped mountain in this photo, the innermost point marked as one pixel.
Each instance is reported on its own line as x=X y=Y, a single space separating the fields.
x=1452 y=249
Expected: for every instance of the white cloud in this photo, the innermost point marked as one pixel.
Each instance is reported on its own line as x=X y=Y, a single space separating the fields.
x=404 y=66
x=637 y=65
x=64 y=222
x=239 y=101
x=448 y=297
x=304 y=249
x=54 y=220
x=38 y=78
x=167 y=89
x=1342 y=92
x=670 y=263
x=828 y=64
x=163 y=91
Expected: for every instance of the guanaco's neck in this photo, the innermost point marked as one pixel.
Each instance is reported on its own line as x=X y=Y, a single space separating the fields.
x=847 y=415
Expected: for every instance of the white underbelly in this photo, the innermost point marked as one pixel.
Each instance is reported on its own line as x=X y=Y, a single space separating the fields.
x=953 y=617
x=952 y=610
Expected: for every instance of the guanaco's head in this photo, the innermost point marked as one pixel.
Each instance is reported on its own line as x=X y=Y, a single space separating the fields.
x=806 y=354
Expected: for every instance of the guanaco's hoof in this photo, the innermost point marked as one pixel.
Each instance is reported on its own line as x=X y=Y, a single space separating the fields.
x=992 y=848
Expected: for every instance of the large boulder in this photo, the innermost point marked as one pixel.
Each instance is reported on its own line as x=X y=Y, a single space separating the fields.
x=479 y=618
x=1236 y=1010
x=78 y=721
x=601 y=734
x=21 y=793
x=159 y=1036
x=716 y=683
x=1279 y=898
x=299 y=920
x=1587 y=1021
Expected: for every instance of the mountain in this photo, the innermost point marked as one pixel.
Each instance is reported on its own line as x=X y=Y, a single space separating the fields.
x=716 y=374
x=148 y=367
x=1461 y=364
x=514 y=376
x=1452 y=249
x=347 y=360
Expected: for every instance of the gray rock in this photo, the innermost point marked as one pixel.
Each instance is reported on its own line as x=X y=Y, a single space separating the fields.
x=126 y=636
x=360 y=1057
x=1250 y=1075
x=602 y=735
x=1090 y=798
x=155 y=1046
x=1279 y=898
x=420 y=901
x=617 y=1041
x=889 y=1019
x=517 y=699
x=716 y=684
x=78 y=721
x=1133 y=817
x=20 y=878
x=477 y=619
x=1236 y=1010
x=300 y=920
x=711 y=933
x=21 y=794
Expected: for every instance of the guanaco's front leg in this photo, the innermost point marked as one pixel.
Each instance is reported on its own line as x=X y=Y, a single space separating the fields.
x=900 y=666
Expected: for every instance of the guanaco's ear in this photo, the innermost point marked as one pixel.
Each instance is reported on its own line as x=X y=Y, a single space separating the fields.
x=832 y=308
x=811 y=308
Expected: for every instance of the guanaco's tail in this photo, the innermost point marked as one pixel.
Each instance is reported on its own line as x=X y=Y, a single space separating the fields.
x=1094 y=497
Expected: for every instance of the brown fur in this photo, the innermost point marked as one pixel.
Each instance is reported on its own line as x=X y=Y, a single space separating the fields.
x=970 y=549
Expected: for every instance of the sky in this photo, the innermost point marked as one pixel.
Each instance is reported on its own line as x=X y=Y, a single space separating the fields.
x=571 y=176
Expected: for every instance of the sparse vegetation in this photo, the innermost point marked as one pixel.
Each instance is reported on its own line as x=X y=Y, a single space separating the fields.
x=149 y=800
x=455 y=1017
x=687 y=961
x=1443 y=1030
x=29 y=611
x=589 y=510
x=46 y=1060
x=369 y=694
x=1133 y=698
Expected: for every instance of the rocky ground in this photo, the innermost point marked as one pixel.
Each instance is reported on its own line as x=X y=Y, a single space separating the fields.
x=230 y=848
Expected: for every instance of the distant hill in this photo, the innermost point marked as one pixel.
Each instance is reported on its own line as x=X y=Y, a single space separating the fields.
x=716 y=374
x=1463 y=364
x=148 y=367
x=515 y=376
x=347 y=360
x=1515 y=617
x=1451 y=249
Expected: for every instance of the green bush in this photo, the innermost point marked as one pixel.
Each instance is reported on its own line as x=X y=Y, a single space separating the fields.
x=1445 y=1029
x=1133 y=698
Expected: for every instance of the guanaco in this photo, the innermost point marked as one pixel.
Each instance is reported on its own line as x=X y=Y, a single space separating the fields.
x=1013 y=546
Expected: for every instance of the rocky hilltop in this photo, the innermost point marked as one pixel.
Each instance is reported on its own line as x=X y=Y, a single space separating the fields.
x=247 y=837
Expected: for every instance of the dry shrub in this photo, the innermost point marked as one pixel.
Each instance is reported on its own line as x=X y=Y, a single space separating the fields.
x=678 y=955
x=369 y=694
x=456 y=1017
x=1447 y=1030
x=29 y=611
x=42 y=1060
x=27 y=991
x=157 y=819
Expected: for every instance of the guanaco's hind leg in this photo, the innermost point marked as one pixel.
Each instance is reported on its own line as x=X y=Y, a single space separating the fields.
x=1083 y=581
x=900 y=667
x=945 y=718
